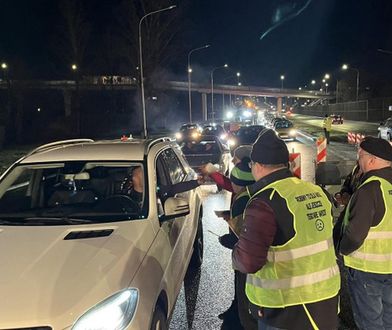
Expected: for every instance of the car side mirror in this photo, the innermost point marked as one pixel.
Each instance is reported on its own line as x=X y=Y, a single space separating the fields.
x=175 y=207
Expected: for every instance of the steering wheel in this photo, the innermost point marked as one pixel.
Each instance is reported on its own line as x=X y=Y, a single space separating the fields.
x=122 y=203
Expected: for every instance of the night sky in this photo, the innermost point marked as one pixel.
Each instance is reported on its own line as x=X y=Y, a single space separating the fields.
x=325 y=35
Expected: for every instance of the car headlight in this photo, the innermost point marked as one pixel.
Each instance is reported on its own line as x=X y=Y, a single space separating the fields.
x=178 y=136
x=231 y=142
x=223 y=136
x=114 y=313
x=293 y=132
x=195 y=135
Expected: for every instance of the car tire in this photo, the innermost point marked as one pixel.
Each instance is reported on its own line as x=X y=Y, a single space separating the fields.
x=198 y=246
x=159 y=321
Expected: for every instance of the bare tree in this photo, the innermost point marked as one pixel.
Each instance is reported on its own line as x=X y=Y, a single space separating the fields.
x=72 y=33
x=161 y=34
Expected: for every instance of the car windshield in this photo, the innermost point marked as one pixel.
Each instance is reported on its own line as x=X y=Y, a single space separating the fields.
x=188 y=128
x=212 y=130
x=283 y=124
x=72 y=192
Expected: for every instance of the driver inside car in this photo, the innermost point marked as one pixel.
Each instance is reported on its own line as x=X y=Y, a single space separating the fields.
x=134 y=186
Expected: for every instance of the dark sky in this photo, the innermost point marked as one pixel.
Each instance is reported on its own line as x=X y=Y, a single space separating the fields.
x=325 y=35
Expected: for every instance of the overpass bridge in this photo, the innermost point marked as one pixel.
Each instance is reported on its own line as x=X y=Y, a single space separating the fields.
x=131 y=83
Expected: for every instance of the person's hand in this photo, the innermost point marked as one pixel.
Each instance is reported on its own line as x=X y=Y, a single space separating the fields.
x=207 y=169
x=201 y=179
x=203 y=169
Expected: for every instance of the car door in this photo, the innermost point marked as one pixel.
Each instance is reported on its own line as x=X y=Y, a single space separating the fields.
x=169 y=172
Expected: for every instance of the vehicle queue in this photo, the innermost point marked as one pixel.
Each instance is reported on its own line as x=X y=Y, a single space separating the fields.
x=82 y=197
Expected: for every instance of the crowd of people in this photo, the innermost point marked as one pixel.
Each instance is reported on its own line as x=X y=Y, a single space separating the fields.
x=285 y=244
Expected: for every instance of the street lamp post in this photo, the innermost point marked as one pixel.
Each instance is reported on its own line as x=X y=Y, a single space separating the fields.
x=189 y=79
x=212 y=88
x=141 y=65
x=4 y=67
x=346 y=67
x=282 y=79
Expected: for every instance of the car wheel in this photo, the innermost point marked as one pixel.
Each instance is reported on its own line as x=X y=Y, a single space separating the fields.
x=159 y=321
x=198 y=246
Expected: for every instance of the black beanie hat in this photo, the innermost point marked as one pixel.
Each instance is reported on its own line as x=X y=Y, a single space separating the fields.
x=377 y=147
x=241 y=174
x=269 y=149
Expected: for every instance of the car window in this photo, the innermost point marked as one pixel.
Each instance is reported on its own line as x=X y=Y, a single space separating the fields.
x=90 y=191
x=176 y=171
x=283 y=124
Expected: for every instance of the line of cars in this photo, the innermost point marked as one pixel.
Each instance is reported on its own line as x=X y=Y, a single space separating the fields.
x=213 y=144
x=283 y=127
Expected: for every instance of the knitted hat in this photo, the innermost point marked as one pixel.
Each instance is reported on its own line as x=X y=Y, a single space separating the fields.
x=241 y=174
x=269 y=149
x=377 y=147
x=242 y=151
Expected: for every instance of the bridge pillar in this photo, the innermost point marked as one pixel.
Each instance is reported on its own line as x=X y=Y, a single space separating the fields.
x=204 y=107
x=67 y=93
x=279 y=105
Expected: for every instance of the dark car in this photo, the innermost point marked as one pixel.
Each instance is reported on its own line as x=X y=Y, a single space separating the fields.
x=285 y=130
x=188 y=131
x=245 y=135
x=385 y=130
x=337 y=119
x=216 y=130
x=207 y=149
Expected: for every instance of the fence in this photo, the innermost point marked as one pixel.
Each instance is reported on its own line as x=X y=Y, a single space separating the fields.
x=373 y=110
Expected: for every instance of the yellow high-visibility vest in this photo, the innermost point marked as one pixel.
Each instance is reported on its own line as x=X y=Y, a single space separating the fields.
x=304 y=269
x=375 y=254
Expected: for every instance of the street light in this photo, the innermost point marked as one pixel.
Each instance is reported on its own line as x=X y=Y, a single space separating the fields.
x=212 y=87
x=282 y=78
x=4 y=67
x=74 y=67
x=327 y=76
x=141 y=65
x=346 y=67
x=189 y=79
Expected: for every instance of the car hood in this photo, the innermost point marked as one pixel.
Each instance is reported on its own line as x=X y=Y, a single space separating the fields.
x=46 y=280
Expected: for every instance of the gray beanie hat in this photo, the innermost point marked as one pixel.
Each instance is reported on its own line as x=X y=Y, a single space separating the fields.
x=242 y=151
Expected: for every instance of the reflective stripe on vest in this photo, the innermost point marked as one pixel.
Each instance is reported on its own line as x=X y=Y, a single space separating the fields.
x=304 y=269
x=279 y=256
x=295 y=281
x=375 y=254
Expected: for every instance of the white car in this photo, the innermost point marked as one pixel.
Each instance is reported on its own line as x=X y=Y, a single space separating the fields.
x=79 y=253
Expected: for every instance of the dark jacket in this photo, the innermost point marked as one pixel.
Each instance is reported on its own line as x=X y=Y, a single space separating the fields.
x=269 y=222
x=366 y=209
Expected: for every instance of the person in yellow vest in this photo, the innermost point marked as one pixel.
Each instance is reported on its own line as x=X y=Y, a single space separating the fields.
x=327 y=127
x=366 y=242
x=285 y=246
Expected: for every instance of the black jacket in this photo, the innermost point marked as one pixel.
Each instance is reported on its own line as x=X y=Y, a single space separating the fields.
x=367 y=209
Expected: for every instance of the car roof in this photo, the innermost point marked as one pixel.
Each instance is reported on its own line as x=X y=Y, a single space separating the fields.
x=110 y=150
